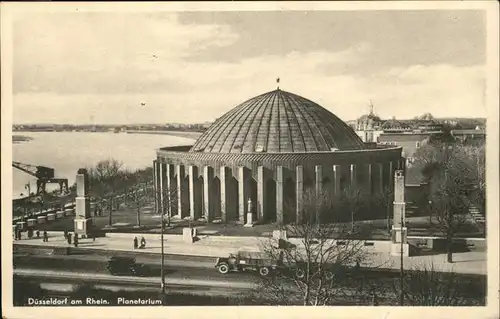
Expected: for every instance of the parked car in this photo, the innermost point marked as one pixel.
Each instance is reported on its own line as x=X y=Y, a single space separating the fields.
x=126 y=266
x=246 y=261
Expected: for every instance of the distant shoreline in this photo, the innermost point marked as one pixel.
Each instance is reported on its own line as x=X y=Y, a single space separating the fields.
x=20 y=138
x=183 y=134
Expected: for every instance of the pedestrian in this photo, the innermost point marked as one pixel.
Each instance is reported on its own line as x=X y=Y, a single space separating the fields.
x=19 y=234
x=65 y=234
x=45 y=236
x=69 y=238
x=76 y=240
x=37 y=233
x=93 y=236
x=30 y=233
x=143 y=242
x=135 y=243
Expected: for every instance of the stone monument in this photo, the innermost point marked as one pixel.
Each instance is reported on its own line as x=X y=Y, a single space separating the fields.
x=249 y=222
x=83 y=220
x=399 y=231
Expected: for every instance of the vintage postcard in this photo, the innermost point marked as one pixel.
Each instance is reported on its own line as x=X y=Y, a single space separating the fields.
x=242 y=159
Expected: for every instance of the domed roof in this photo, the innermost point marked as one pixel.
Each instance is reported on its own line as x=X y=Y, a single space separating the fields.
x=277 y=122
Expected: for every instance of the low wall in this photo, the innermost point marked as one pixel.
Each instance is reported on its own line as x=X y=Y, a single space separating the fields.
x=439 y=243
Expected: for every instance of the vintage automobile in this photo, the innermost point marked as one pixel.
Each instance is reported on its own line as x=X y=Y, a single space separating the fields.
x=246 y=261
x=126 y=266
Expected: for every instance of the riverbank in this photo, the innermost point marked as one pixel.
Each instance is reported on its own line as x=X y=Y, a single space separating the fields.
x=20 y=138
x=183 y=134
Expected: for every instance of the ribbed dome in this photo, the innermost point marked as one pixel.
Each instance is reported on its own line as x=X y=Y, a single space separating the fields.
x=277 y=122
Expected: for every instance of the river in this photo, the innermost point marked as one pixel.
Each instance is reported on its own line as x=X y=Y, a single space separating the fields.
x=66 y=152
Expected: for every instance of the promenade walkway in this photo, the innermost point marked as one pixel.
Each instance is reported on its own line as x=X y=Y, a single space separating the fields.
x=220 y=246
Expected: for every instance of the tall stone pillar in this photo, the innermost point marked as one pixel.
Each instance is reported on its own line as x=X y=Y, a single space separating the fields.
x=224 y=193
x=181 y=207
x=261 y=193
x=83 y=219
x=194 y=195
x=208 y=205
x=353 y=179
x=336 y=180
x=279 y=193
x=242 y=195
x=399 y=230
x=299 y=193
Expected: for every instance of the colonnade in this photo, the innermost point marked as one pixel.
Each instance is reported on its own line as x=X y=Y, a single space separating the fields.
x=208 y=193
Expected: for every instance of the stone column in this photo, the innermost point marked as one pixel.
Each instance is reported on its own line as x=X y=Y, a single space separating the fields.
x=299 y=193
x=194 y=195
x=391 y=176
x=180 y=189
x=168 y=191
x=224 y=194
x=208 y=175
x=155 y=185
x=161 y=207
x=353 y=180
x=380 y=177
x=369 y=186
x=261 y=193
x=319 y=180
x=279 y=193
x=336 y=180
x=242 y=192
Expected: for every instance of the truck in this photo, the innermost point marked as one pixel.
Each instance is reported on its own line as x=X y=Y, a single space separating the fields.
x=245 y=261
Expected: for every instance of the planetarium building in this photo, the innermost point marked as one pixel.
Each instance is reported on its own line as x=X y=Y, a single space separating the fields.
x=263 y=156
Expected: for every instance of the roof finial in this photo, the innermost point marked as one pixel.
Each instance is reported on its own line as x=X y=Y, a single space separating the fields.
x=278 y=82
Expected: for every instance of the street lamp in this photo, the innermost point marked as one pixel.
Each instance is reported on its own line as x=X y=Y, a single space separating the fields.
x=162 y=259
x=28 y=188
x=401 y=300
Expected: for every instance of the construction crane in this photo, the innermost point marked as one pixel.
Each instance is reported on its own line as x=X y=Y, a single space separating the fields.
x=44 y=175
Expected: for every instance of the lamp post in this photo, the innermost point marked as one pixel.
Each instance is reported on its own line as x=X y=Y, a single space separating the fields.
x=401 y=297
x=28 y=188
x=162 y=260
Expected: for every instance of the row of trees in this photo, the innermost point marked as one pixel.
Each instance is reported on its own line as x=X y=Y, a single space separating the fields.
x=112 y=185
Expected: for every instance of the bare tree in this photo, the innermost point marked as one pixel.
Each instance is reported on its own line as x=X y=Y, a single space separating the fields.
x=385 y=198
x=354 y=199
x=425 y=285
x=313 y=269
x=104 y=182
x=449 y=172
x=139 y=197
x=169 y=202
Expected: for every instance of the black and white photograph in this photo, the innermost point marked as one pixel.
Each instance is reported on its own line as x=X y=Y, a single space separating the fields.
x=236 y=159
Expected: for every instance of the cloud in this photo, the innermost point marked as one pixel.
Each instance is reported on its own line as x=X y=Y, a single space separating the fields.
x=442 y=90
x=105 y=52
x=99 y=67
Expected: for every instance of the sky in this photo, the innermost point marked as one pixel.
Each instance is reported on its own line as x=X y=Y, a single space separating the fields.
x=192 y=67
